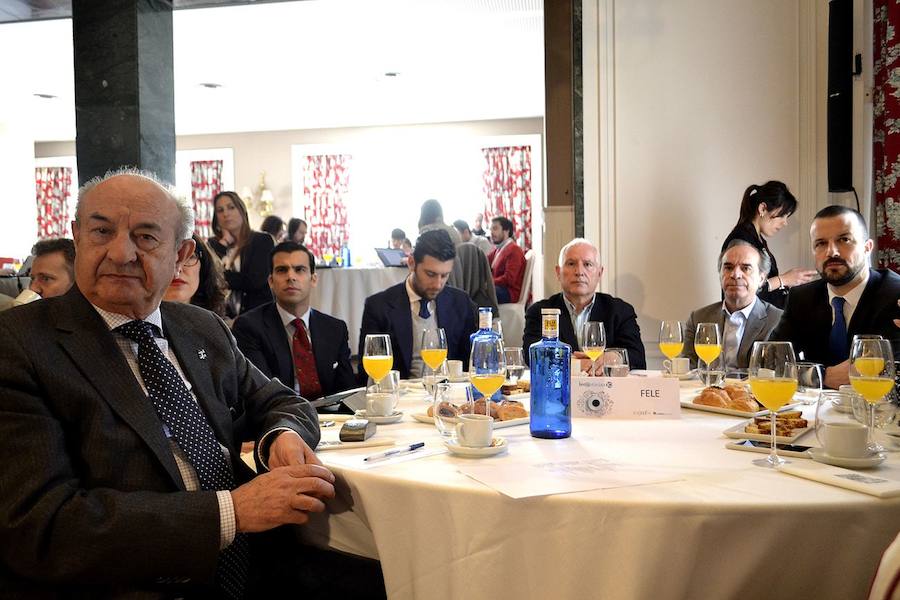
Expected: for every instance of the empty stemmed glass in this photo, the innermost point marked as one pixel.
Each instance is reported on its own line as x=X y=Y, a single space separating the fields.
x=872 y=376
x=773 y=379
x=434 y=349
x=378 y=357
x=707 y=344
x=593 y=341
x=515 y=365
x=671 y=339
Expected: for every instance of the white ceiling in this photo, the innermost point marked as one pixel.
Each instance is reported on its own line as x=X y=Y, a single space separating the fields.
x=318 y=63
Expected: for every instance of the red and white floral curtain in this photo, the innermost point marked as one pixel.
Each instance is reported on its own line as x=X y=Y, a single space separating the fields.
x=53 y=188
x=326 y=185
x=206 y=183
x=507 y=189
x=885 y=134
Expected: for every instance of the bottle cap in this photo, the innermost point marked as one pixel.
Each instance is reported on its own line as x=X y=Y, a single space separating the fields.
x=549 y=311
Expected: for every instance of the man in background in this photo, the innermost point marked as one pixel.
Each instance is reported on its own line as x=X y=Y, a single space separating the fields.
x=821 y=317
x=305 y=349
x=466 y=234
x=423 y=301
x=579 y=271
x=53 y=267
x=743 y=318
x=397 y=237
x=478 y=229
x=507 y=261
x=296 y=231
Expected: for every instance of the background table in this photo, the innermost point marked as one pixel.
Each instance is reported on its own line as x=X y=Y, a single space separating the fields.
x=727 y=529
x=342 y=292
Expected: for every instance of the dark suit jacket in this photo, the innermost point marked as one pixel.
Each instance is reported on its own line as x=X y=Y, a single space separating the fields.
x=389 y=312
x=619 y=321
x=252 y=281
x=763 y=319
x=806 y=321
x=89 y=491
x=261 y=337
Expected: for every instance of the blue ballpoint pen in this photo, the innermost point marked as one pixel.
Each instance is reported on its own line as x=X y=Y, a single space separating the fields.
x=395 y=452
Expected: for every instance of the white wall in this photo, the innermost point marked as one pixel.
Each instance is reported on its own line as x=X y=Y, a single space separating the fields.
x=687 y=103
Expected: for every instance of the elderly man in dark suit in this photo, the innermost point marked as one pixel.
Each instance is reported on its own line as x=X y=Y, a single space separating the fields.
x=743 y=318
x=304 y=348
x=423 y=301
x=579 y=271
x=822 y=317
x=122 y=472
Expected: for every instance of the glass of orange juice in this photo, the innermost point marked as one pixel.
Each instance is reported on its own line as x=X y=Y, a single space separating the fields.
x=434 y=349
x=872 y=376
x=487 y=366
x=377 y=357
x=773 y=379
x=671 y=338
x=707 y=345
x=593 y=341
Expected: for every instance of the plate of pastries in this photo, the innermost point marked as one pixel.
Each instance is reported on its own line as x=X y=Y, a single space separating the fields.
x=507 y=413
x=733 y=399
x=789 y=425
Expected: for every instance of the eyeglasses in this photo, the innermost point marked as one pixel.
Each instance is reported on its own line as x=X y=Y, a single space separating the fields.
x=192 y=260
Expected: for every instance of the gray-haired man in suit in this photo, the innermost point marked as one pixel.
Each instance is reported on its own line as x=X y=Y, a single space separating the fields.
x=743 y=318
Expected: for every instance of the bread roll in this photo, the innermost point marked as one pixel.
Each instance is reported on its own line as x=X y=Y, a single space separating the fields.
x=507 y=411
x=713 y=396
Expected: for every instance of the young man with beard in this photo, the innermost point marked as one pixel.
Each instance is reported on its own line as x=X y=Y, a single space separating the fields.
x=851 y=298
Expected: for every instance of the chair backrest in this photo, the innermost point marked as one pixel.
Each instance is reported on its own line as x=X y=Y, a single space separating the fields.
x=526 y=278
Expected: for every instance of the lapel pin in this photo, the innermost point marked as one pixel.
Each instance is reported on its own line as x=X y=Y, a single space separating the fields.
x=202 y=354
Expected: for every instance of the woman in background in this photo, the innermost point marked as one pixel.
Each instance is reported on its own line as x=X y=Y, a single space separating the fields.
x=764 y=212
x=274 y=226
x=297 y=231
x=200 y=281
x=244 y=254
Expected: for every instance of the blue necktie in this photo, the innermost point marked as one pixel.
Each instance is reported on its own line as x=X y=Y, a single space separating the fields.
x=189 y=426
x=423 y=309
x=837 y=341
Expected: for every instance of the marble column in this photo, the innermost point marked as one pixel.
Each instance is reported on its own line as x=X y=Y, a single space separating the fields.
x=124 y=86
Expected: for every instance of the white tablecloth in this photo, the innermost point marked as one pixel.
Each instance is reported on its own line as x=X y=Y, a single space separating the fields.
x=342 y=292
x=728 y=529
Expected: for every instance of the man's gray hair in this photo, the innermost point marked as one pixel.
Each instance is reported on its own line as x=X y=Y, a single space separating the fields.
x=185 y=209
x=576 y=242
x=765 y=263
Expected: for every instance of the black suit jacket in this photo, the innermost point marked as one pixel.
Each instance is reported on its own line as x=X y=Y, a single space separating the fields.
x=389 y=312
x=619 y=321
x=89 y=491
x=261 y=337
x=806 y=321
x=252 y=281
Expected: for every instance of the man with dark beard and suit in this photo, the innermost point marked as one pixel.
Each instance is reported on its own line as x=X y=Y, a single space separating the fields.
x=304 y=348
x=851 y=298
x=123 y=474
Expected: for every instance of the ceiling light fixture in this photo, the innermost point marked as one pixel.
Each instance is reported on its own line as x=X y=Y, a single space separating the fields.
x=211 y=86
x=392 y=74
x=44 y=96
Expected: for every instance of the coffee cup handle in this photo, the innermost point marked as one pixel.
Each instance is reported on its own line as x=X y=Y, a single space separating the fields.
x=668 y=365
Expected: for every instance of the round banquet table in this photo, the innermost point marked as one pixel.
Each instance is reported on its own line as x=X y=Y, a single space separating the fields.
x=725 y=529
x=342 y=292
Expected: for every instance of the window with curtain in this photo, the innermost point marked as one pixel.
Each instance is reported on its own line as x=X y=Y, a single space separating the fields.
x=326 y=185
x=53 y=188
x=885 y=134
x=206 y=182
x=507 y=189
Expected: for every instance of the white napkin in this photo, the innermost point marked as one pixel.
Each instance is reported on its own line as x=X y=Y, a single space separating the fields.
x=866 y=482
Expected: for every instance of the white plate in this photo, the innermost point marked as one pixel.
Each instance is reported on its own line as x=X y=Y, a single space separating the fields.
x=498 y=446
x=732 y=412
x=819 y=455
x=682 y=376
x=381 y=420
x=737 y=432
x=424 y=418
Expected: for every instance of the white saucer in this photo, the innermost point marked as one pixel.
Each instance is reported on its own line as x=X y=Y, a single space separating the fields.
x=819 y=455
x=459 y=379
x=381 y=420
x=499 y=446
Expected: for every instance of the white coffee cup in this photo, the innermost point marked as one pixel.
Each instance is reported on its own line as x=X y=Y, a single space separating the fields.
x=679 y=365
x=381 y=404
x=455 y=368
x=475 y=431
x=845 y=440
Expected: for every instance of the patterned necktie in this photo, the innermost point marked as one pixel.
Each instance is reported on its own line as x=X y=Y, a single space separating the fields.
x=423 y=309
x=837 y=341
x=188 y=425
x=305 y=363
x=735 y=321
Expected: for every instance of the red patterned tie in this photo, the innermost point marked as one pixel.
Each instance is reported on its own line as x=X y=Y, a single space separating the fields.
x=305 y=363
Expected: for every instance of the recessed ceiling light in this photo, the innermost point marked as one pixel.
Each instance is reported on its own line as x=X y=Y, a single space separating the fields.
x=45 y=96
x=392 y=74
x=210 y=85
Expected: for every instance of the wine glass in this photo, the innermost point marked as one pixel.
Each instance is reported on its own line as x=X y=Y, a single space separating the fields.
x=378 y=357
x=708 y=344
x=773 y=379
x=327 y=256
x=671 y=339
x=809 y=377
x=497 y=327
x=872 y=376
x=446 y=411
x=487 y=366
x=615 y=362
x=593 y=341
x=434 y=348
x=515 y=365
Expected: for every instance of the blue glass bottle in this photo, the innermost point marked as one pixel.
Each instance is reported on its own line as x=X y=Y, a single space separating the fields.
x=485 y=318
x=345 y=256
x=550 y=360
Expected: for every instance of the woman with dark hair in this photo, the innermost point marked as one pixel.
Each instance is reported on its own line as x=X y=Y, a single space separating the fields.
x=200 y=281
x=764 y=212
x=431 y=217
x=244 y=254
x=297 y=231
x=274 y=226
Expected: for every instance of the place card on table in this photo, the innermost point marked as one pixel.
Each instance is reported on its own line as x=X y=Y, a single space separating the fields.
x=626 y=397
x=867 y=482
